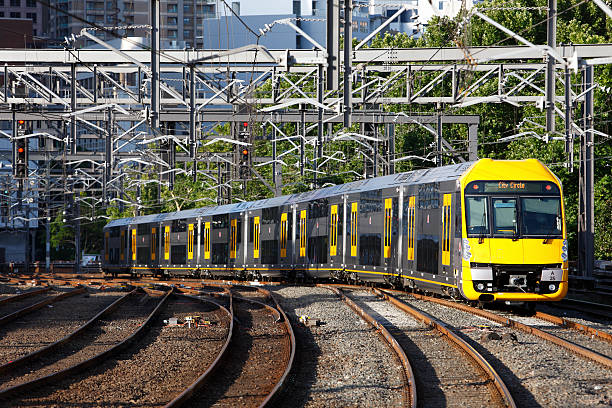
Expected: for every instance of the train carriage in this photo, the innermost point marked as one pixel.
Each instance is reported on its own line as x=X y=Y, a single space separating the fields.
x=488 y=230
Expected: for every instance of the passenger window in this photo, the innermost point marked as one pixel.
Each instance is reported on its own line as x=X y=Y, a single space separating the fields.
x=476 y=212
x=505 y=216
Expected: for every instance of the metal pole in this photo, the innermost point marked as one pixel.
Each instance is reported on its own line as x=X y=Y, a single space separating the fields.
x=472 y=142
x=219 y=191
x=28 y=247
x=73 y=104
x=439 y=141
x=77 y=234
x=586 y=226
x=319 y=149
x=48 y=218
x=551 y=36
x=375 y=158
x=108 y=149
x=333 y=44
x=390 y=128
x=302 y=144
x=155 y=46
x=192 y=119
x=348 y=37
x=569 y=142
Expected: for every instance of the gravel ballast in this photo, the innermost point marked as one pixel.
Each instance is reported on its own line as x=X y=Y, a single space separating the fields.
x=152 y=371
x=340 y=363
x=537 y=372
x=445 y=376
x=51 y=323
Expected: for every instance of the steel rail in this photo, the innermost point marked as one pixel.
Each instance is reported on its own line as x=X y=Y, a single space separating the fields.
x=579 y=350
x=24 y=295
x=20 y=388
x=281 y=383
x=39 y=305
x=458 y=341
x=11 y=365
x=582 y=328
x=184 y=396
x=409 y=392
x=587 y=307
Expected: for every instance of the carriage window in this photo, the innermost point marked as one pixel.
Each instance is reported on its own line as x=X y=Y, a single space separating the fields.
x=179 y=226
x=541 y=216
x=505 y=220
x=143 y=229
x=476 y=213
x=220 y=221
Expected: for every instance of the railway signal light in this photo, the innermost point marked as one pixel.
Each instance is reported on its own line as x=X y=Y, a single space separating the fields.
x=244 y=133
x=20 y=151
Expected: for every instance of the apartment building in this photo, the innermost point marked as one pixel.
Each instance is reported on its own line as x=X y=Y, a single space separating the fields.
x=27 y=10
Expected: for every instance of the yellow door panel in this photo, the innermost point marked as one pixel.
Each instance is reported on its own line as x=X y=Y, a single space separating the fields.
x=166 y=243
x=283 y=236
x=190 y=242
x=207 y=240
x=333 y=234
x=134 y=244
x=256 y=239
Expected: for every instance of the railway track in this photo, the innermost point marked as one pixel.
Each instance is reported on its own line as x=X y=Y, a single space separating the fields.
x=259 y=356
x=540 y=369
x=532 y=327
x=600 y=310
x=231 y=375
x=69 y=384
x=448 y=371
x=409 y=389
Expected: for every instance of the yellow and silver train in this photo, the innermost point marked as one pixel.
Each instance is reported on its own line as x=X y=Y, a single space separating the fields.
x=488 y=230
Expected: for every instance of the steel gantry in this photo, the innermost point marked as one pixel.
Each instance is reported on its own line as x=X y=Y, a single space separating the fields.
x=149 y=108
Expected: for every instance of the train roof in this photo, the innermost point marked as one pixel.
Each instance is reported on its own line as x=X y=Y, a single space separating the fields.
x=434 y=174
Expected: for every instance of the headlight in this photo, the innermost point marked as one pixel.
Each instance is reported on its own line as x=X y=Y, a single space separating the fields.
x=480 y=287
x=552 y=287
x=564 y=251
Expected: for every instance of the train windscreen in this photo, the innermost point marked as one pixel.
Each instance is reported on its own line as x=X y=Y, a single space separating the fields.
x=541 y=216
x=513 y=209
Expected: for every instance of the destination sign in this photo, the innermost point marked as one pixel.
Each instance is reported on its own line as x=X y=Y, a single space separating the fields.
x=512 y=187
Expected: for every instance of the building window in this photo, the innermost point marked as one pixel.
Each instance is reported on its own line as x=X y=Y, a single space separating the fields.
x=172 y=21
x=186 y=34
x=171 y=33
x=1 y=3
x=31 y=16
x=187 y=8
x=31 y=3
x=15 y=3
x=236 y=7
x=172 y=8
x=15 y=14
x=297 y=7
x=187 y=21
x=441 y=5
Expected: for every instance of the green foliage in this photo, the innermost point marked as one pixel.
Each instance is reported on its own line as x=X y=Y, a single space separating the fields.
x=577 y=22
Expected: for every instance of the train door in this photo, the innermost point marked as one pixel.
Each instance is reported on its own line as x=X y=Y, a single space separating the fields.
x=301 y=236
x=335 y=224
x=154 y=244
x=390 y=231
x=409 y=231
x=352 y=231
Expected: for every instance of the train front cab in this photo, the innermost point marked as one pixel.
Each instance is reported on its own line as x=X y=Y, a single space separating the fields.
x=514 y=245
